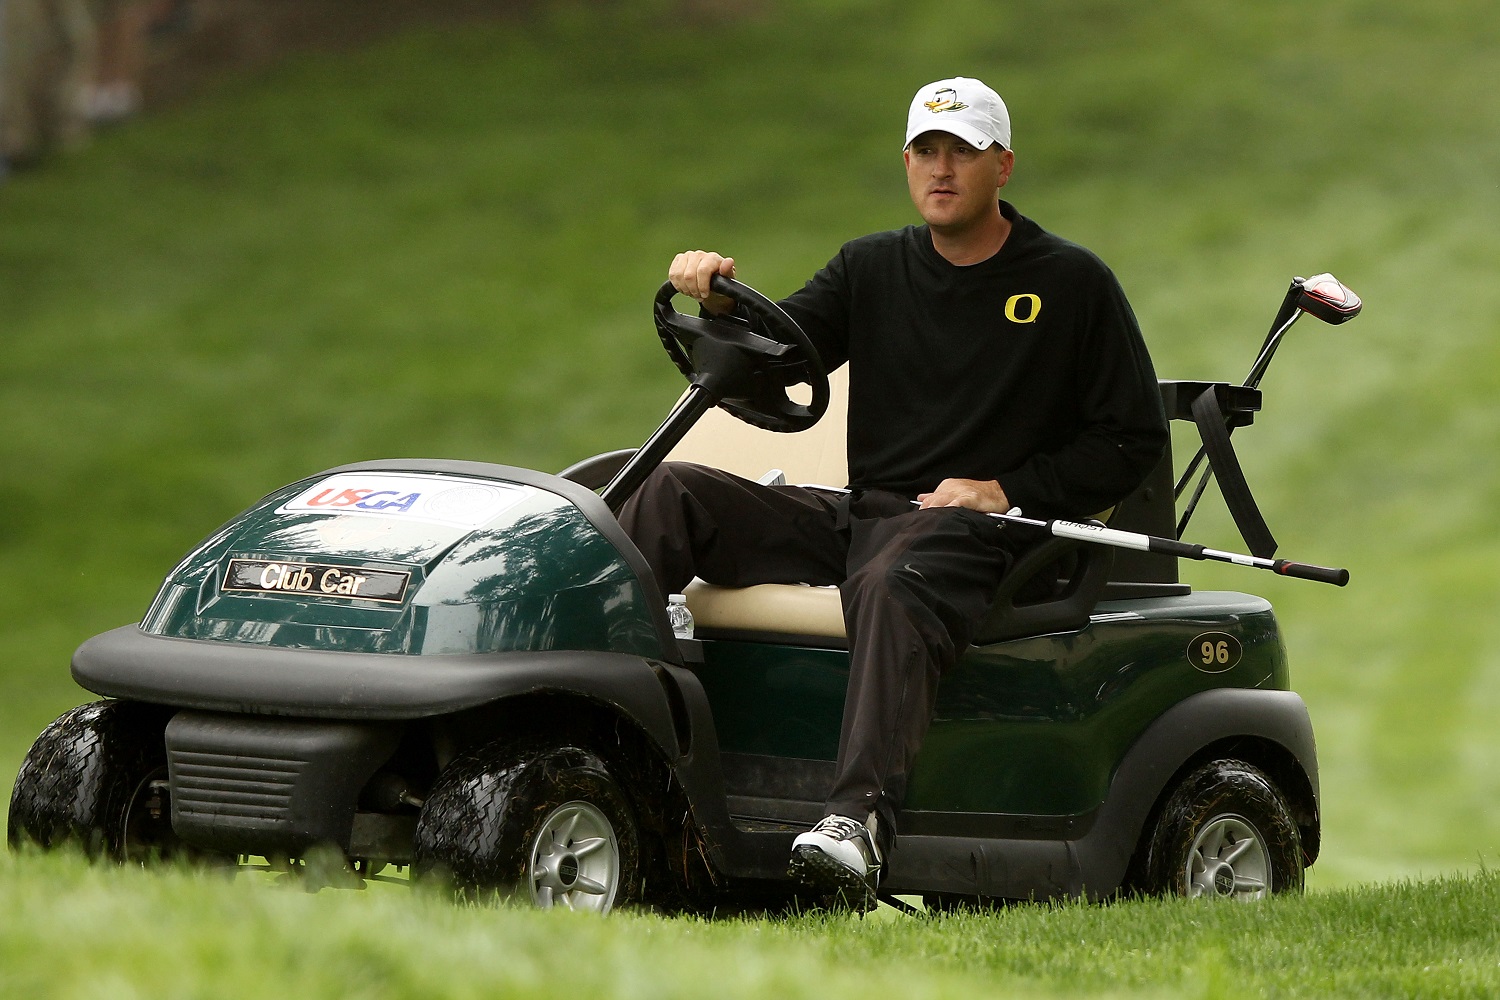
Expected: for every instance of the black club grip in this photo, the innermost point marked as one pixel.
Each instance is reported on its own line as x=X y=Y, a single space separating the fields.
x=1307 y=571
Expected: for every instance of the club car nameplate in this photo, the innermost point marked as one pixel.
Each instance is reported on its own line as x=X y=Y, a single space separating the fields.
x=299 y=579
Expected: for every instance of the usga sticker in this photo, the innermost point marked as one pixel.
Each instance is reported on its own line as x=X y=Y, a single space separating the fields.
x=462 y=503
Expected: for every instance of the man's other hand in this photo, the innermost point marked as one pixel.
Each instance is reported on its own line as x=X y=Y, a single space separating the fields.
x=982 y=495
x=691 y=273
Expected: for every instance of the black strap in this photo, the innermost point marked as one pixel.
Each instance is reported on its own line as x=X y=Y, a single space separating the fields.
x=1209 y=416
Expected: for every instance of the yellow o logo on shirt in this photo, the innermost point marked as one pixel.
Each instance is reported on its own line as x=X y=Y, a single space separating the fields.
x=1032 y=307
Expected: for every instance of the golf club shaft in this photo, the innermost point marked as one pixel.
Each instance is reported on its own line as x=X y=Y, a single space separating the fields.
x=1186 y=550
x=1192 y=505
x=1100 y=535
x=1257 y=372
x=1286 y=316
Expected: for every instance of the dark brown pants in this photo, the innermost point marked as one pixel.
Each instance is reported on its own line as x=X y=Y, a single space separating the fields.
x=914 y=585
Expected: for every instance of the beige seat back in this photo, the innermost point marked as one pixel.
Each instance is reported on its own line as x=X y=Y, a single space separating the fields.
x=815 y=455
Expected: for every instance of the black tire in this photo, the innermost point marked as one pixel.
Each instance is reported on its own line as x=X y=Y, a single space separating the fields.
x=1226 y=830
x=547 y=824
x=95 y=778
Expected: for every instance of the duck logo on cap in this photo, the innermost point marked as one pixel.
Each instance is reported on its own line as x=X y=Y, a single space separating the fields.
x=941 y=103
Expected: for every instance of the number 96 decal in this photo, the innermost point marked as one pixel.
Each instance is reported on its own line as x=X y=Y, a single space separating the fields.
x=1214 y=652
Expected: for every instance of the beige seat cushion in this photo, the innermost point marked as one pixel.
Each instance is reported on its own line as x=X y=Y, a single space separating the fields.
x=768 y=607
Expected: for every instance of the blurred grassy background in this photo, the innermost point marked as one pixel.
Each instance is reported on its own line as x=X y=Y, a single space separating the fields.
x=445 y=245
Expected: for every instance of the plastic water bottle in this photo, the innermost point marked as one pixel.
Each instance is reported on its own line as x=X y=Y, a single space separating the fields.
x=680 y=617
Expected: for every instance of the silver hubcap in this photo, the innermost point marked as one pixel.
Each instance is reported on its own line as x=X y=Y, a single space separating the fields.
x=1229 y=858
x=575 y=860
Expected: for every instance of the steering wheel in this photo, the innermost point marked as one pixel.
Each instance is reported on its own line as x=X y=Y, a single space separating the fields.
x=747 y=372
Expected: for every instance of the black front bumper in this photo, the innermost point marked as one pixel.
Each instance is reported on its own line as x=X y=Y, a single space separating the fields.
x=270 y=787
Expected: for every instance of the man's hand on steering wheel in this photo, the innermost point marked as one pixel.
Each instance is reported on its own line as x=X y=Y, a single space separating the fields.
x=691 y=273
x=746 y=361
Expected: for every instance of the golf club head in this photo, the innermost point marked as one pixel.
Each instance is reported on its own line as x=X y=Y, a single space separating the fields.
x=1327 y=298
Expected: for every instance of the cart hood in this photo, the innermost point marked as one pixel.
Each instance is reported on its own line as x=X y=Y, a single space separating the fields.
x=418 y=557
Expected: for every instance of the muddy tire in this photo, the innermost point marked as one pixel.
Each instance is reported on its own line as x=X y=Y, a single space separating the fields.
x=1225 y=831
x=547 y=824
x=95 y=778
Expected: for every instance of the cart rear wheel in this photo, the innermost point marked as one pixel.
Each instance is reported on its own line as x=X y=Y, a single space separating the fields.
x=1226 y=831
x=545 y=824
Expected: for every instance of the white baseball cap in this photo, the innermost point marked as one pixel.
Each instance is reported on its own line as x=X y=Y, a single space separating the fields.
x=964 y=107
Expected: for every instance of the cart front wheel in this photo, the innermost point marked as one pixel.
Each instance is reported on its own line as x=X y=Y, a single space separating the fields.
x=97 y=778
x=575 y=859
x=549 y=825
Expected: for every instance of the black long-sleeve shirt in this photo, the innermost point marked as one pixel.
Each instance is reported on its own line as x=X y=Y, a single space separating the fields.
x=1027 y=368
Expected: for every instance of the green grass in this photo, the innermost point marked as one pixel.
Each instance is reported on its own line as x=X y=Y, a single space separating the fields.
x=446 y=246
x=72 y=930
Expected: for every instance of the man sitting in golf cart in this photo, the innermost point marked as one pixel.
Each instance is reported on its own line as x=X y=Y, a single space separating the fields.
x=993 y=366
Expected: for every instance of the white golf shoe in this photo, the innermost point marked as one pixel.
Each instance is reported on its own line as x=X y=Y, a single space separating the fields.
x=839 y=856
